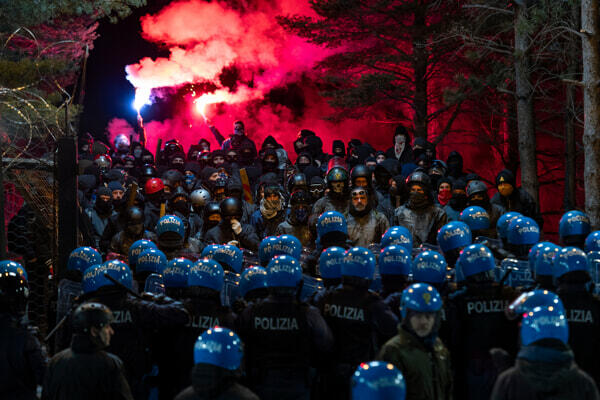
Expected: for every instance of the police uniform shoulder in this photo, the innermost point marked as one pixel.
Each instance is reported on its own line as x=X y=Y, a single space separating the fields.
x=113 y=360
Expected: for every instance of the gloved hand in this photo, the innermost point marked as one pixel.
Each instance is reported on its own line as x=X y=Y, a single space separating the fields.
x=234 y=243
x=236 y=226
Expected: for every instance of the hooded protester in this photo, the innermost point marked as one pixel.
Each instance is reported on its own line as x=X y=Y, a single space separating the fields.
x=513 y=198
x=235 y=189
x=303 y=161
x=359 y=154
x=455 y=165
x=208 y=179
x=296 y=222
x=314 y=147
x=401 y=149
x=194 y=152
x=270 y=143
x=211 y=216
x=191 y=171
x=420 y=215
x=133 y=230
x=269 y=161
x=100 y=213
x=230 y=229
x=86 y=185
x=271 y=212
x=338 y=149
x=444 y=191
x=458 y=200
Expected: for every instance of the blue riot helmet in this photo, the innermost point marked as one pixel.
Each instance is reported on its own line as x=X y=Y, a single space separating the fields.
x=477 y=218
x=429 y=267
x=394 y=268
x=523 y=233
x=288 y=245
x=230 y=257
x=502 y=224
x=570 y=259
x=253 y=279
x=82 y=258
x=94 y=277
x=266 y=249
x=13 y=267
x=150 y=261
x=136 y=249
x=420 y=297
x=378 y=380
x=397 y=235
x=534 y=252
x=209 y=251
x=527 y=301
x=476 y=261
x=394 y=260
x=206 y=273
x=330 y=265
x=543 y=268
x=332 y=229
x=544 y=323
x=14 y=289
x=592 y=242
x=454 y=235
x=573 y=228
x=358 y=263
x=170 y=230
x=219 y=347
x=175 y=274
x=452 y=238
x=284 y=272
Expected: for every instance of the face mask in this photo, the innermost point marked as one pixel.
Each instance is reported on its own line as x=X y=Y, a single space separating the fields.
x=269 y=165
x=181 y=206
x=458 y=201
x=302 y=167
x=399 y=144
x=301 y=215
x=189 y=180
x=103 y=206
x=444 y=196
x=210 y=223
x=505 y=189
x=137 y=153
x=135 y=229
x=418 y=200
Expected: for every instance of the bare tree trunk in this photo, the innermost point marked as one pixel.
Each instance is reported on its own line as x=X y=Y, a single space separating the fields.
x=591 y=108
x=512 y=159
x=525 y=114
x=572 y=69
x=420 y=62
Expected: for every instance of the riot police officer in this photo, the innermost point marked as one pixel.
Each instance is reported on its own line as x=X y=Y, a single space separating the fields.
x=394 y=267
x=198 y=286
x=477 y=323
x=22 y=362
x=85 y=370
x=582 y=308
x=359 y=320
x=134 y=318
x=573 y=228
x=282 y=335
x=417 y=349
x=218 y=359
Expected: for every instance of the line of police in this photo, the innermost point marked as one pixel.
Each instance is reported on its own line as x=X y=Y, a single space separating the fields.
x=306 y=341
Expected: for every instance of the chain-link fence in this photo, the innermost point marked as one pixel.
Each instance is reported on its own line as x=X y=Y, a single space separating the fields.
x=30 y=222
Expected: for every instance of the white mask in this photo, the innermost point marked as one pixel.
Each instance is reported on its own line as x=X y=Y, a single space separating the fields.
x=400 y=143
